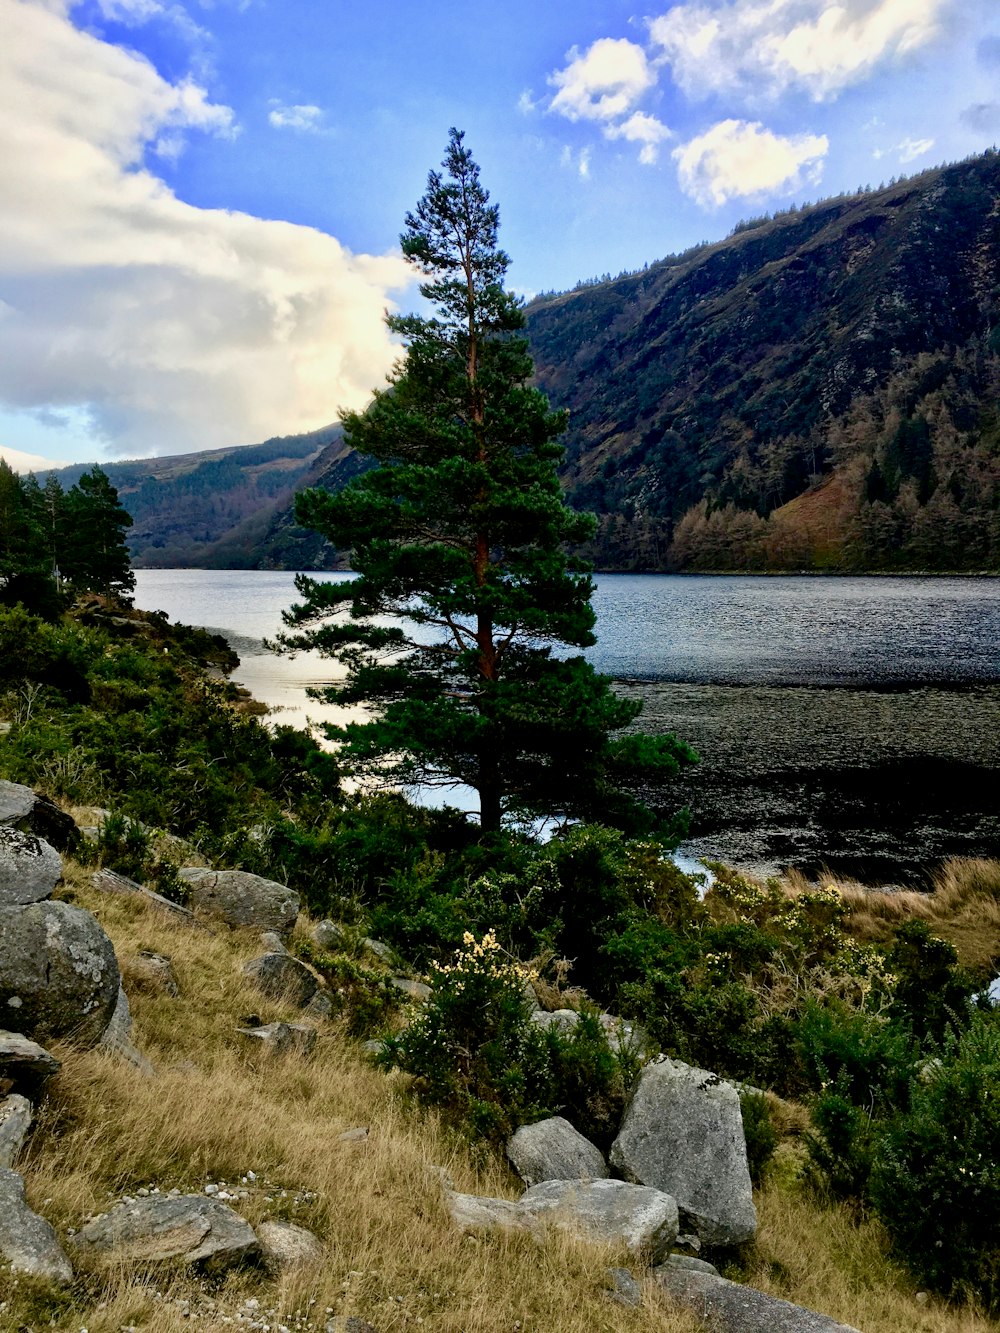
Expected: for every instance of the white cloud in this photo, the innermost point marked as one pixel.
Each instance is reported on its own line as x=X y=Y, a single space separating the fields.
x=307 y=119
x=603 y=83
x=177 y=327
x=906 y=151
x=526 y=104
x=583 y=164
x=767 y=47
x=640 y=128
x=22 y=462
x=739 y=159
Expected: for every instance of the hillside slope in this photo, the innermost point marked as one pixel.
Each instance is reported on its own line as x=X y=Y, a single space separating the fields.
x=858 y=338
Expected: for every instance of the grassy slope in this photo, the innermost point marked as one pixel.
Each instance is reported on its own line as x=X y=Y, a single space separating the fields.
x=215 y=1111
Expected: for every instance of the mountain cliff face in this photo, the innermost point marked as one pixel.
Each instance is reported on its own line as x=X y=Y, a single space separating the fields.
x=819 y=390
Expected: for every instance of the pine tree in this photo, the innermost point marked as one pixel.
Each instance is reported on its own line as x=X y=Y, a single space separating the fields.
x=93 y=554
x=454 y=632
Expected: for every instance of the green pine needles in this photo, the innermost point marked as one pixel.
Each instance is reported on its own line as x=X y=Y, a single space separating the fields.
x=457 y=633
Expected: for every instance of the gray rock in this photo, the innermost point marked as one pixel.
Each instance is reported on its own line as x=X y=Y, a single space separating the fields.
x=282 y=977
x=29 y=868
x=285 y=1245
x=378 y=950
x=117 y=1036
x=329 y=935
x=31 y=812
x=27 y=1242
x=624 y=1036
x=348 y=1324
x=58 y=973
x=469 y=1212
x=109 y=881
x=188 y=1229
x=553 y=1150
x=625 y=1290
x=358 y=1135
x=23 y=1061
x=15 y=1121
x=615 y=1211
x=153 y=972
x=562 y=1020
x=691 y=1264
x=373 y=1047
x=280 y=1038
x=272 y=942
x=683 y=1133
x=320 y=1006
x=241 y=899
x=729 y=1307
x=417 y=991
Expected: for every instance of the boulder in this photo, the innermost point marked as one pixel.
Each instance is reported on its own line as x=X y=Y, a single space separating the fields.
x=27 y=1242
x=469 y=1212
x=730 y=1307
x=15 y=1121
x=109 y=881
x=285 y=1245
x=614 y=1211
x=152 y=972
x=282 y=977
x=329 y=935
x=117 y=1036
x=348 y=1323
x=320 y=1006
x=378 y=950
x=280 y=1038
x=693 y=1265
x=561 y=1020
x=241 y=899
x=29 y=811
x=23 y=1061
x=417 y=991
x=553 y=1150
x=187 y=1229
x=625 y=1290
x=58 y=973
x=683 y=1133
x=29 y=868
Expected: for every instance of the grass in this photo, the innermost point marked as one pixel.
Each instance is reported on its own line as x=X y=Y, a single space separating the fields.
x=217 y=1110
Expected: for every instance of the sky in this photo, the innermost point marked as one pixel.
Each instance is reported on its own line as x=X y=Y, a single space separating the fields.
x=202 y=199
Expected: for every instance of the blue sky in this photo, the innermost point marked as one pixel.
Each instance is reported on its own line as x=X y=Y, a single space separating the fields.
x=202 y=198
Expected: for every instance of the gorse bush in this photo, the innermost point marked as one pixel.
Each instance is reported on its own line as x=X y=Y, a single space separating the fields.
x=936 y=1174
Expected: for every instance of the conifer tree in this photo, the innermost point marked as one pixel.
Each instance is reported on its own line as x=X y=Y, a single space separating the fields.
x=457 y=633
x=93 y=554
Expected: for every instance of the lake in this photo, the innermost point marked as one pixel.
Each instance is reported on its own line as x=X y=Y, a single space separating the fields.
x=849 y=722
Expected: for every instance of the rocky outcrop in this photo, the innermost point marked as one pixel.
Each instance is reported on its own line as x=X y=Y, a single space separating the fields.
x=613 y=1211
x=27 y=810
x=284 y=1245
x=29 y=868
x=683 y=1133
x=58 y=973
x=329 y=935
x=418 y=992
x=282 y=977
x=27 y=1242
x=152 y=972
x=23 y=1062
x=280 y=1038
x=241 y=899
x=644 y=1219
x=117 y=1036
x=553 y=1150
x=187 y=1229
x=729 y=1307
x=15 y=1122
x=558 y=1020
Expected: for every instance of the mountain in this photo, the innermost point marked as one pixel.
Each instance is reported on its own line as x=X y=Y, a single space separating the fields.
x=820 y=389
x=225 y=508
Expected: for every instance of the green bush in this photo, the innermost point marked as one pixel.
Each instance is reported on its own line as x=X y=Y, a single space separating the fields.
x=936 y=1176
x=759 y=1132
x=931 y=992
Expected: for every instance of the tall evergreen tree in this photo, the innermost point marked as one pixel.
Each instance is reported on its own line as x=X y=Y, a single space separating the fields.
x=454 y=633
x=93 y=554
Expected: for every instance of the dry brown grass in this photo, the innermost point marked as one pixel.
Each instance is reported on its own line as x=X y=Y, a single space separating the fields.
x=962 y=908
x=216 y=1110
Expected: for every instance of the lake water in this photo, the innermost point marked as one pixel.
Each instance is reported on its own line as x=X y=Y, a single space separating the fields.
x=848 y=722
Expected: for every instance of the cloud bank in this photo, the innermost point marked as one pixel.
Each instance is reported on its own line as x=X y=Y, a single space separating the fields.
x=177 y=327
x=738 y=159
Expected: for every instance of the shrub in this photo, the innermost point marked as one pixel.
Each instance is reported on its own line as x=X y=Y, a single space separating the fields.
x=759 y=1132
x=931 y=991
x=936 y=1176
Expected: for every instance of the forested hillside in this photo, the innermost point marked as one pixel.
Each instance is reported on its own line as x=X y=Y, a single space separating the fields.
x=820 y=389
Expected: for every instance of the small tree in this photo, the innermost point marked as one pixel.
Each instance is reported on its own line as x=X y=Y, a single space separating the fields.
x=459 y=538
x=93 y=554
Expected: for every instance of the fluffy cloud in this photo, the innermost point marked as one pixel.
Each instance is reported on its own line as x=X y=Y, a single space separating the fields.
x=22 y=462
x=603 y=83
x=907 y=151
x=307 y=119
x=740 y=159
x=640 y=128
x=177 y=327
x=767 y=47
